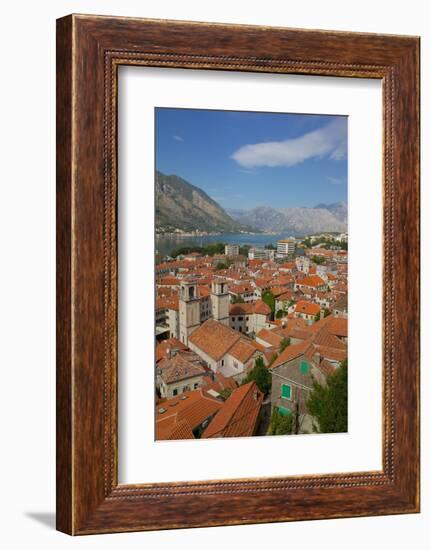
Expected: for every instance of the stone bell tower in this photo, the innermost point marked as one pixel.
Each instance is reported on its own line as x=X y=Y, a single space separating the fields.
x=189 y=309
x=220 y=301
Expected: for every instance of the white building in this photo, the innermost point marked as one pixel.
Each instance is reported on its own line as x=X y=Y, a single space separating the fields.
x=231 y=250
x=285 y=248
x=260 y=254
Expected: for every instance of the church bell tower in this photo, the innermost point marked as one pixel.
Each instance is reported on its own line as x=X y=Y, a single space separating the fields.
x=189 y=310
x=220 y=301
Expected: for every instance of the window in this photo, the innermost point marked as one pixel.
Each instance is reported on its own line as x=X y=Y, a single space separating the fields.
x=175 y=392
x=222 y=362
x=240 y=318
x=303 y=367
x=284 y=411
x=286 y=391
x=196 y=385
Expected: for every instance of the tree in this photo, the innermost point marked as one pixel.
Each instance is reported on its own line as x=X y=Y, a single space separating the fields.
x=223 y=265
x=319 y=260
x=280 y=313
x=226 y=393
x=269 y=299
x=328 y=404
x=284 y=343
x=317 y=317
x=326 y=312
x=237 y=300
x=270 y=247
x=280 y=424
x=243 y=250
x=261 y=375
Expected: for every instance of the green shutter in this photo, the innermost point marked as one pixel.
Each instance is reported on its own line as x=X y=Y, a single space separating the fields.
x=286 y=391
x=304 y=367
x=284 y=411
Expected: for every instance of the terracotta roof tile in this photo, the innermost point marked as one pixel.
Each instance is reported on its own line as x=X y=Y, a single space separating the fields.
x=181 y=366
x=291 y=352
x=307 y=307
x=239 y=414
x=242 y=351
x=312 y=280
x=192 y=407
x=214 y=338
x=169 y=344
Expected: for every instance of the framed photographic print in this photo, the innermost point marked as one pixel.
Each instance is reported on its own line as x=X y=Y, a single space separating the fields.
x=237 y=274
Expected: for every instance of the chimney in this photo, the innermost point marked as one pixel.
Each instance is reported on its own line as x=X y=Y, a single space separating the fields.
x=168 y=353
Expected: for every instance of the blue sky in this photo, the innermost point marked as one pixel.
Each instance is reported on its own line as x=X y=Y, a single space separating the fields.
x=248 y=159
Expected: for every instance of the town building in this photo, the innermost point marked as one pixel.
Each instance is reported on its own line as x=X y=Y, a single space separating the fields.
x=285 y=248
x=261 y=254
x=306 y=310
x=231 y=250
x=311 y=283
x=225 y=350
x=249 y=318
x=197 y=307
x=179 y=372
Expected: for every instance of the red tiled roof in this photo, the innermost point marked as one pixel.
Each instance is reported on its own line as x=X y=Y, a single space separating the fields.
x=291 y=352
x=169 y=344
x=312 y=280
x=246 y=308
x=261 y=308
x=214 y=338
x=239 y=414
x=242 y=351
x=307 y=307
x=192 y=407
x=269 y=336
x=181 y=430
x=249 y=308
x=181 y=366
x=219 y=383
x=167 y=281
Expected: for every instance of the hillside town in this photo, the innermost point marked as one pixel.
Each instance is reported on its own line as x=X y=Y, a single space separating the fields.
x=243 y=337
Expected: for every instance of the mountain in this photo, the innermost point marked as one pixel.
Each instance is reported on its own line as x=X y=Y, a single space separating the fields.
x=289 y=220
x=181 y=205
x=338 y=209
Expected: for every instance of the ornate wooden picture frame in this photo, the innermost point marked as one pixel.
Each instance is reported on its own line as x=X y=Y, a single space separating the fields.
x=89 y=51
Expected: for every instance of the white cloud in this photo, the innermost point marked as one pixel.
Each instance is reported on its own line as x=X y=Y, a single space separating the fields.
x=329 y=141
x=178 y=138
x=335 y=181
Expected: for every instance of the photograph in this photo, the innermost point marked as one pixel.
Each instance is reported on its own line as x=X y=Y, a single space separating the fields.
x=251 y=273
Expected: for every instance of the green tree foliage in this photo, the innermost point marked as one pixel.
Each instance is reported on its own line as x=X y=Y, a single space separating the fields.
x=317 y=317
x=284 y=343
x=328 y=404
x=270 y=247
x=319 y=260
x=243 y=250
x=226 y=393
x=326 y=312
x=237 y=300
x=261 y=375
x=280 y=314
x=269 y=299
x=222 y=265
x=279 y=424
x=208 y=250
